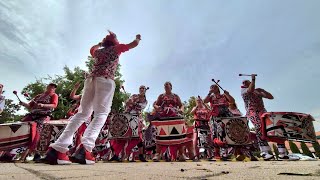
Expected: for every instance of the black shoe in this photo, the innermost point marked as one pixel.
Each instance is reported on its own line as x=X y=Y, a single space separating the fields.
x=253 y=158
x=224 y=158
x=115 y=158
x=79 y=156
x=141 y=158
x=37 y=157
x=51 y=157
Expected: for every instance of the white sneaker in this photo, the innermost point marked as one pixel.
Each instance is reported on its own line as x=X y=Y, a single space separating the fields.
x=288 y=158
x=266 y=156
x=156 y=157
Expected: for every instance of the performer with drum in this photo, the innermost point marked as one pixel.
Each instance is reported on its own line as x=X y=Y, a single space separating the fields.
x=41 y=107
x=202 y=133
x=2 y=99
x=97 y=96
x=219 y=108
x=253 y=100
x=134 y=106
x=168 y=104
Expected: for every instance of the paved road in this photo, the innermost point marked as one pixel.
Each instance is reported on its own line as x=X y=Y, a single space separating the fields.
x=165 y=170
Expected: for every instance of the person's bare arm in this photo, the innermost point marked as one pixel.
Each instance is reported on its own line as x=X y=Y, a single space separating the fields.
x=134 y=43
x=265 y=93
x=252 y=85
x=74 y=91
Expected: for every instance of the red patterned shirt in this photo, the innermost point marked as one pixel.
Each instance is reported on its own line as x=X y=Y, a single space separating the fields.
x=169 y=100
x=217 y=103
x=252 y=101
x=137 y=107
x=202 y=114
x=106 y=60
x=43 y=98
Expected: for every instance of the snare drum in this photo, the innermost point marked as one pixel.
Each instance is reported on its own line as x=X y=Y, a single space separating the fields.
x=232 y=130
x=171 y=131
x=288 y=126
x=123 y=126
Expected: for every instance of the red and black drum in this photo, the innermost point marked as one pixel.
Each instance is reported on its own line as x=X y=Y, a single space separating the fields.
x=123 y=126
x=279 y=126
x=233 y=131
x=51 y=132
x=171 y=131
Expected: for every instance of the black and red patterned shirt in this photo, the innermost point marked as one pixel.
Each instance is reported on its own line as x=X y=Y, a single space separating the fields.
x=44 y=98
x=202 y=114
x=253 y=102
x=137 y=107
x=169 y=100
x=219 y=105
x=106 y=60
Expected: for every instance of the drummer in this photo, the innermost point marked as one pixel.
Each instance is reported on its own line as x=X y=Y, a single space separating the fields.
x=219 y=108
x=253 y=100
x=41 y=107
x=201 y=115
x=168 y=104
x=134 y=105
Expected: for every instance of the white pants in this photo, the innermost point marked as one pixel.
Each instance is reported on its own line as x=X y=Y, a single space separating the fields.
x=97 y=97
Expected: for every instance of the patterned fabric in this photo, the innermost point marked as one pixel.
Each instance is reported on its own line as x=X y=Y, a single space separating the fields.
x=168 y=100
x=170 y=104
x=254 y=117
x=106 y=61
x=202 y=113
x=252 y=101
x=136 y=108
x=43 y=98
x=39 y=119
x=255 y=108
x=220 y=106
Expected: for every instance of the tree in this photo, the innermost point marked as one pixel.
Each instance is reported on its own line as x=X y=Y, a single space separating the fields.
x=306 y=150
x=316 y=148
x=9 y=112
x=188 y=106
x=294 y=148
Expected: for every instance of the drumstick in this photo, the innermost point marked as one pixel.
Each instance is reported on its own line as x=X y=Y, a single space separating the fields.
x=203 y=102
x=147 y=88
x=15 y=92
x=218 y=84
x=247 y=74
x=123 y=89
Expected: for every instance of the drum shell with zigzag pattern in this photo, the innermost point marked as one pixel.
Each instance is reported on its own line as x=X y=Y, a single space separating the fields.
x=171 y=131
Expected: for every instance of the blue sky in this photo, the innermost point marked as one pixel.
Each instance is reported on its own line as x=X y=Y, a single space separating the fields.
x=185 y=42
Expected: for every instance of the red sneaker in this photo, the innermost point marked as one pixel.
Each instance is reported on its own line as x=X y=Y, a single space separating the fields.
x=82 y=156
x=63 y=158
